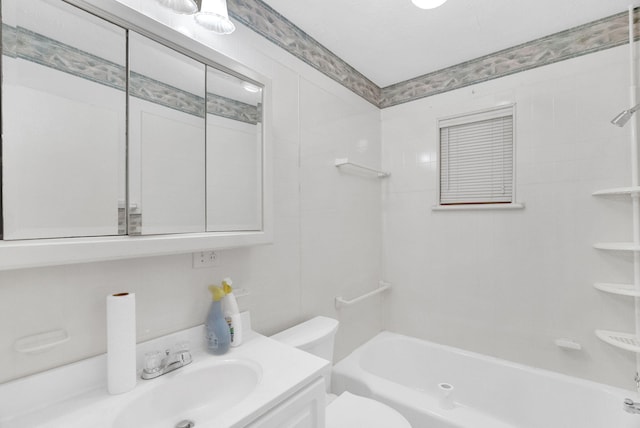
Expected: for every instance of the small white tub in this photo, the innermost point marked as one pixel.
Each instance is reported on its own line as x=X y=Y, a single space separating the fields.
x=436 y=386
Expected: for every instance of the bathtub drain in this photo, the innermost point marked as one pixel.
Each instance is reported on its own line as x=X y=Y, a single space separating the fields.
x=185 y=424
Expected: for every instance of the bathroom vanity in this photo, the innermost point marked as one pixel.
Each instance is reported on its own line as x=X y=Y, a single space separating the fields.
x=260 y=384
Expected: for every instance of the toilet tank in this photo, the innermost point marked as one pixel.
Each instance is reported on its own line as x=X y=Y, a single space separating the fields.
x=315 y=336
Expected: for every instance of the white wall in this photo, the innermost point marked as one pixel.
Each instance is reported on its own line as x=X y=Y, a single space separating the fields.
x=503 y=283
x=327 y=234
x=507 y=283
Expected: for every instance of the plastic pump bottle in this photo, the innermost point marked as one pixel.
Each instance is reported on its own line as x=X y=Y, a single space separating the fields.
x=218 y=336
x=232 y=313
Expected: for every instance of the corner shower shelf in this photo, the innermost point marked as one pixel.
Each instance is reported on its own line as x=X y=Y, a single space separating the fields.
x=626 y=341
x=635 y=190
x=617 y=246
x=619 y=289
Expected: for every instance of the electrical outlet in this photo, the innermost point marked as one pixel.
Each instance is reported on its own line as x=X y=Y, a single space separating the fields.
x=205 y=259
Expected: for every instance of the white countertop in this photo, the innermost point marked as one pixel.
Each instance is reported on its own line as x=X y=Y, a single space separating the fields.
x=75 y=396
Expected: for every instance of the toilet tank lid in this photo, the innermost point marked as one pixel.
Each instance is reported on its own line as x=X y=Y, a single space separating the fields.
x=307 y=332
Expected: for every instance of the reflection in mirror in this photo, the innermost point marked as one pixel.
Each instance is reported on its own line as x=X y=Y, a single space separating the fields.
x=234 y=153
x=166 y=140
x=64 y=110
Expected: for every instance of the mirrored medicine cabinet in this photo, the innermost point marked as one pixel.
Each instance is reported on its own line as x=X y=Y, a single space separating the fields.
x=124 y=138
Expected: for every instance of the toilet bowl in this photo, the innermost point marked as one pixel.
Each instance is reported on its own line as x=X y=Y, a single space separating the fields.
x=317 y=336
x=353 y=411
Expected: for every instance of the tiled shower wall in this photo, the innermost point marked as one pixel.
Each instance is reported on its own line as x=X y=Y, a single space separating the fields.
x=327 y=233
x=507 y=283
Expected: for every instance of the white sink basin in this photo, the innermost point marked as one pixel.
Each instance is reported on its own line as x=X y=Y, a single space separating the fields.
x=198 y=395
x=226 y=391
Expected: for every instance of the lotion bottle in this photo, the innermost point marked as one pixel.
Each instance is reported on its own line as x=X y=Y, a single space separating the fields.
x=232 y=313
x=218 y=336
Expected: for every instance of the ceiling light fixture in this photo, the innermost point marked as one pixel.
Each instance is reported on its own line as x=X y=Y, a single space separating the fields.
x=185 y=7
x=428 y=4
x=214 y=16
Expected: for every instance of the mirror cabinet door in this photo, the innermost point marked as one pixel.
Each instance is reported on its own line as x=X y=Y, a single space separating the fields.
x=234 y=153
x=64 y=122
x=192 y=160
x=166 y=140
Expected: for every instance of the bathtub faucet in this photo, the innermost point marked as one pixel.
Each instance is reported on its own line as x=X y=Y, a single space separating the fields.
x=631 y=406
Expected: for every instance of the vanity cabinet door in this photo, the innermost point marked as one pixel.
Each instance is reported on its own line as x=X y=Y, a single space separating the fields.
x=234 y=153
x=166 y=140
x=64 y=122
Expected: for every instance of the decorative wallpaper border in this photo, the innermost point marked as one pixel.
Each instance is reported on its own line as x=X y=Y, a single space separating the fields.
x=265 y=21
x=589 y=38
x=18 y=42
x=233 y=109
x=154 y=91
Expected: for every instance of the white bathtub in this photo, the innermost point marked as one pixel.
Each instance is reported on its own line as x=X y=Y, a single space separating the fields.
x=405 y=372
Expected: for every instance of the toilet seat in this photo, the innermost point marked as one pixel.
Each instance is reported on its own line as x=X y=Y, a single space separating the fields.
x=349 y=411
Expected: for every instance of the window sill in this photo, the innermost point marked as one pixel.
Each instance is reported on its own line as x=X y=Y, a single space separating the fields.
x=478 y=207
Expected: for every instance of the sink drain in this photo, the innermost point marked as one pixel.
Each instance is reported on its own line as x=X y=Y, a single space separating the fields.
x=185 y=424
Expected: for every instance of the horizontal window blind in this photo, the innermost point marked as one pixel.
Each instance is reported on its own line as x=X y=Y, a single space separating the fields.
x=476 y=160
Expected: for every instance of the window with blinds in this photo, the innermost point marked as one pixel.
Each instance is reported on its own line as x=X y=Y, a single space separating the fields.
x=476 y=158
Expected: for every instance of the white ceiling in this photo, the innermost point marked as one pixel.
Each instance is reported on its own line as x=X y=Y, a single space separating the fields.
x=392 y=40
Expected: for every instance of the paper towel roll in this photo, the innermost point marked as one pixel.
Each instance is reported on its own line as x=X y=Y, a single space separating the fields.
x=121 y=342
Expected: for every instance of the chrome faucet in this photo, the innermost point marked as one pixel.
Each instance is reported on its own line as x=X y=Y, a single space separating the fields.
x=631 y=406
x=158 y=363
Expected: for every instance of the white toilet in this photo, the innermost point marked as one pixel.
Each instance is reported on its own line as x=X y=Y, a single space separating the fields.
x=317 y=336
